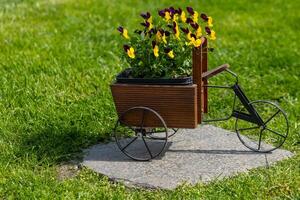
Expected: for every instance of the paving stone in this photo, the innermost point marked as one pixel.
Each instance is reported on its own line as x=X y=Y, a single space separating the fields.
x=193 y=155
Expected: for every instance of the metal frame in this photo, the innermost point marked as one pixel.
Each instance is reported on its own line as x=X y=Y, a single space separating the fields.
x=253 y=116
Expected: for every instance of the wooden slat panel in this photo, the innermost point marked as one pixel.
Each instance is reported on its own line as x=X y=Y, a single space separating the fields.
x=176 y=104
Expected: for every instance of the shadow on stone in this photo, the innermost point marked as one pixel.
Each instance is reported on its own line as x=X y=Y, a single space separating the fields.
x=110 y=152
x=225 y=151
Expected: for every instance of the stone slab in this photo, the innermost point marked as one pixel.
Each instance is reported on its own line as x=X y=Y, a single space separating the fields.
x=193 y=155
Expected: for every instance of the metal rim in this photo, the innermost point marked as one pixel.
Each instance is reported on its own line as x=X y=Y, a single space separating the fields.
x=141 y=135
x=284 y=136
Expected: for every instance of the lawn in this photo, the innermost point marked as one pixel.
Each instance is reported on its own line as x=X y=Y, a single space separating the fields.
x=58 y=57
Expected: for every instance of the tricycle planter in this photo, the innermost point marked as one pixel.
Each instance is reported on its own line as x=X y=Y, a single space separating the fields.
x=149 y=112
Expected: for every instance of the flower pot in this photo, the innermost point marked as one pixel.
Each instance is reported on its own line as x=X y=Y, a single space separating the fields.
x=177 y=104
x=123 y=77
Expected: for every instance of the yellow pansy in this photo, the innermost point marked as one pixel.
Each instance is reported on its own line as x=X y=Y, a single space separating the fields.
x=175 y=17
x=189 y=37
x=171 y=54
x=195 y=16
x=155 y=51
x=196 y=42
x=164 y=38
x=176 y=30
x=125 y=34
x=130 y=52
x=167 y=16
x=199 y=32
x=150 y=19
x=213 y=35
x=210 y=21
x=183 y=17
x=158 y=36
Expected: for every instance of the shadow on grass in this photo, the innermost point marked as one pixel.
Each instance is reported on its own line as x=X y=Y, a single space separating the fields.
x=53 y=147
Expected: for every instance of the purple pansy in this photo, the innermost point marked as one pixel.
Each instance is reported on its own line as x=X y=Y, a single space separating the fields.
x=190 y=10
x=204 y=17
x=146 y=15
x=208 y=31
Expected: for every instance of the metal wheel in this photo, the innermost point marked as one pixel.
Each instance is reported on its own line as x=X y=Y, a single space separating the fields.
x=134 y=140
x=268 y=137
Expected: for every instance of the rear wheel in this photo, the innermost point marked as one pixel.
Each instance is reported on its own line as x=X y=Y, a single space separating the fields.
x=135 y=141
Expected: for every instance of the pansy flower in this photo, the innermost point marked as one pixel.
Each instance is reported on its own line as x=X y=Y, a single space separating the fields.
x=211 y=33
x=210 y=21
x=158 y=36
x=176 y=30
x=208 y=31
x=182 y=15
x=204 y=17
x=155 y=49
x=124 y=32
x=130 y=51
x=147 y=25
x=166 y=14
x=163 y=35
x=169 y=52
x=189 y=20
x=198 y=29
x=194 y=41
x=193 y=13
x=148 y=20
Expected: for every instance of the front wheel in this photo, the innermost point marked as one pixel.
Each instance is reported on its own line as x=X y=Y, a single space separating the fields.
x=268 y=137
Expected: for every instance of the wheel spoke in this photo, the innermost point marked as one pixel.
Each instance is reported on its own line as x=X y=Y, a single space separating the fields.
x=249 y=128
x=143 y=118
x=259 y=142
x=272 y=117
x=147 y=147
x=129 y=143
x=275 y=132
x=130 y=127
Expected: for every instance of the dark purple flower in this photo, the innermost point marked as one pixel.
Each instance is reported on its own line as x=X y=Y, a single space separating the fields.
x=146 y=15
x=195 y=25
x=185 y=30
x=172 y=10
x=153 y=31
x=189 y=20
x=153 y=44
x=179 y=11
x=204 y=17
x=208 y=31
x=167 y=50
x=190 y=10
x=174 y=27
x=161 y=13
x=146 y=24
x=161 y=31
x=120 y=29
x=193 y=35
x=126 y=47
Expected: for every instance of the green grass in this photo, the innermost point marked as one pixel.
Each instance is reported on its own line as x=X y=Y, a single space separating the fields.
x=58 y=58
